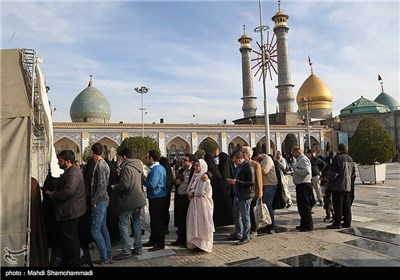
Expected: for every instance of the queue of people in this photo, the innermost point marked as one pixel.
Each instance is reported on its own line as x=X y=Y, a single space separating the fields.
x=200 y=190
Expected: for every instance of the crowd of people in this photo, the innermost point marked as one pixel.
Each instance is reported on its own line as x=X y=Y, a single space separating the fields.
x=102 y=202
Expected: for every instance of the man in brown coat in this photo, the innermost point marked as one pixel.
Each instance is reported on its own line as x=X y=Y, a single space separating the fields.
x=70 y=203
x=247 y=153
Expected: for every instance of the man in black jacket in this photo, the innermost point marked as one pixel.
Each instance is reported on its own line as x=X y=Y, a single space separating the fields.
x=243 y=190
x=342 y=174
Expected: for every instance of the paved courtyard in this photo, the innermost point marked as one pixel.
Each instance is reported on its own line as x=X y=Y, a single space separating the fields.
x=373 y=240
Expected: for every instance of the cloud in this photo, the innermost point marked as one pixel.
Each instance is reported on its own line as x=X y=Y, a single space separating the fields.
x=187 y=52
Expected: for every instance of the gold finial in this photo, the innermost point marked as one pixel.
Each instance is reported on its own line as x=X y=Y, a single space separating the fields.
x=279 y=5
x=310 y=63
x=90 y=80
x=380 y=80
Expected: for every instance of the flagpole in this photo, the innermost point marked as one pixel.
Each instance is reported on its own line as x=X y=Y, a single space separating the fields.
x=261 y=29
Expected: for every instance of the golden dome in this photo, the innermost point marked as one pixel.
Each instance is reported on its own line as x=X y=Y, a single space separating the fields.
x=315 y=89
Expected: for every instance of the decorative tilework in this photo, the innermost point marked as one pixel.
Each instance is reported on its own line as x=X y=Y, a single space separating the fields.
x=77 y=137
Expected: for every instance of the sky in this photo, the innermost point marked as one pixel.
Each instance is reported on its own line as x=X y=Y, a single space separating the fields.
x=187 y=52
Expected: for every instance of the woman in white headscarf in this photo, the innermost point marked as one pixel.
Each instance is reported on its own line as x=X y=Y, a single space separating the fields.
x=199 y=220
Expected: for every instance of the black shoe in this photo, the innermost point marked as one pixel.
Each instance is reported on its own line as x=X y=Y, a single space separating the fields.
x=166 y=231
x=345 y=225
x=198 y=251
x=298 y=227
x=155 y=248
x=242 y=241
x=305 y=229
x=333 y=226
x=233 y=237
x=177 y=243
x=149 y=244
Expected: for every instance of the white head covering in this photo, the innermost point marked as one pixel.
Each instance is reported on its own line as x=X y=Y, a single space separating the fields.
x=196 y=179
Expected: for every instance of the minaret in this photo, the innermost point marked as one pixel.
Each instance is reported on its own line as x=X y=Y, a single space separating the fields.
x=249 y=100
x=285 y=94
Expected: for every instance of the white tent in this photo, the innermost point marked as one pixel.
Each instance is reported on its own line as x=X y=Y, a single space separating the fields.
x=25 y=148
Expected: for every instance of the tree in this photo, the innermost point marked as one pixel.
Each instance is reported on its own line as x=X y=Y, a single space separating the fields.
x=209 y=146
x=87 y=153
x=139 y=146
x=371 y=144
x=200 y=153
x=290 y=142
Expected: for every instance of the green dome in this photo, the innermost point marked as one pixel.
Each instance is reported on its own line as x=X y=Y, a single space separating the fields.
x=363 y=106
x=90 y=106
x=387 y=100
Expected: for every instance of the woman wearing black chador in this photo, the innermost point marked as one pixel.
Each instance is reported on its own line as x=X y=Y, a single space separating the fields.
x=222 y=203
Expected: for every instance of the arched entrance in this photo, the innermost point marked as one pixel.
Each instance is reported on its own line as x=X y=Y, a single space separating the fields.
x=66 y=143
x=177 y=147
x=236 y=144
x=210 y=146
x=110 y=148
x=261 y=145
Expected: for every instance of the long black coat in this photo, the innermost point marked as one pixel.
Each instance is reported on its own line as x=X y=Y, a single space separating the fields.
x=223 y=213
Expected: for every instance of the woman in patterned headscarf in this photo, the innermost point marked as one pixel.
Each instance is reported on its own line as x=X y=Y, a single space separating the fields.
x=199 y=220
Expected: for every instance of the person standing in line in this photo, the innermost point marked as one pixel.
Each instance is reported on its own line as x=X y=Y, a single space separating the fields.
x=156 y=184
x=100 y=201
x=270 y=184
x=304 y=190
x=243 y=191
x=247 y=154
x=199 y=220
x=342 y=174
x=170 y=181
x=181 y=200
x=70 y=204
x=131 y=200
x=283 y=166
x=317 y=166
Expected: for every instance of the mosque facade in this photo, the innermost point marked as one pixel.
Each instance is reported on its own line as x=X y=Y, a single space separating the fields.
x=90 y=114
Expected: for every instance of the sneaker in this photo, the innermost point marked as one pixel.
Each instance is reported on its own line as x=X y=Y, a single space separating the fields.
x=137 y=252
x=242 y=241
x=327 y=219
x=122 y=256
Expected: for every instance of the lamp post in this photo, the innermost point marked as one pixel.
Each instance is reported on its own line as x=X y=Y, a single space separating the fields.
x=142 y=90
x=261 y=29
x=308 y=122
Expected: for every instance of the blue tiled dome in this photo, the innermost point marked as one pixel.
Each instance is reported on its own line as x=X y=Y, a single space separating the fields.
x=387 y=100
x=90 y=106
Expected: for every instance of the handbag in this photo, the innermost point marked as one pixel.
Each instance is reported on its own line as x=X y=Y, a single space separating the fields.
x=261 y=214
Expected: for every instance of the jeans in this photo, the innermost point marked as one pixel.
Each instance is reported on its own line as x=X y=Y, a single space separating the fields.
x=124 y=220
x=100 y=232
x=241 y=215
x=268 y=197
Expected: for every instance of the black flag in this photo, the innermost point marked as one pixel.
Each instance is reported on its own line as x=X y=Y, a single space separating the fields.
x=379 y=78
